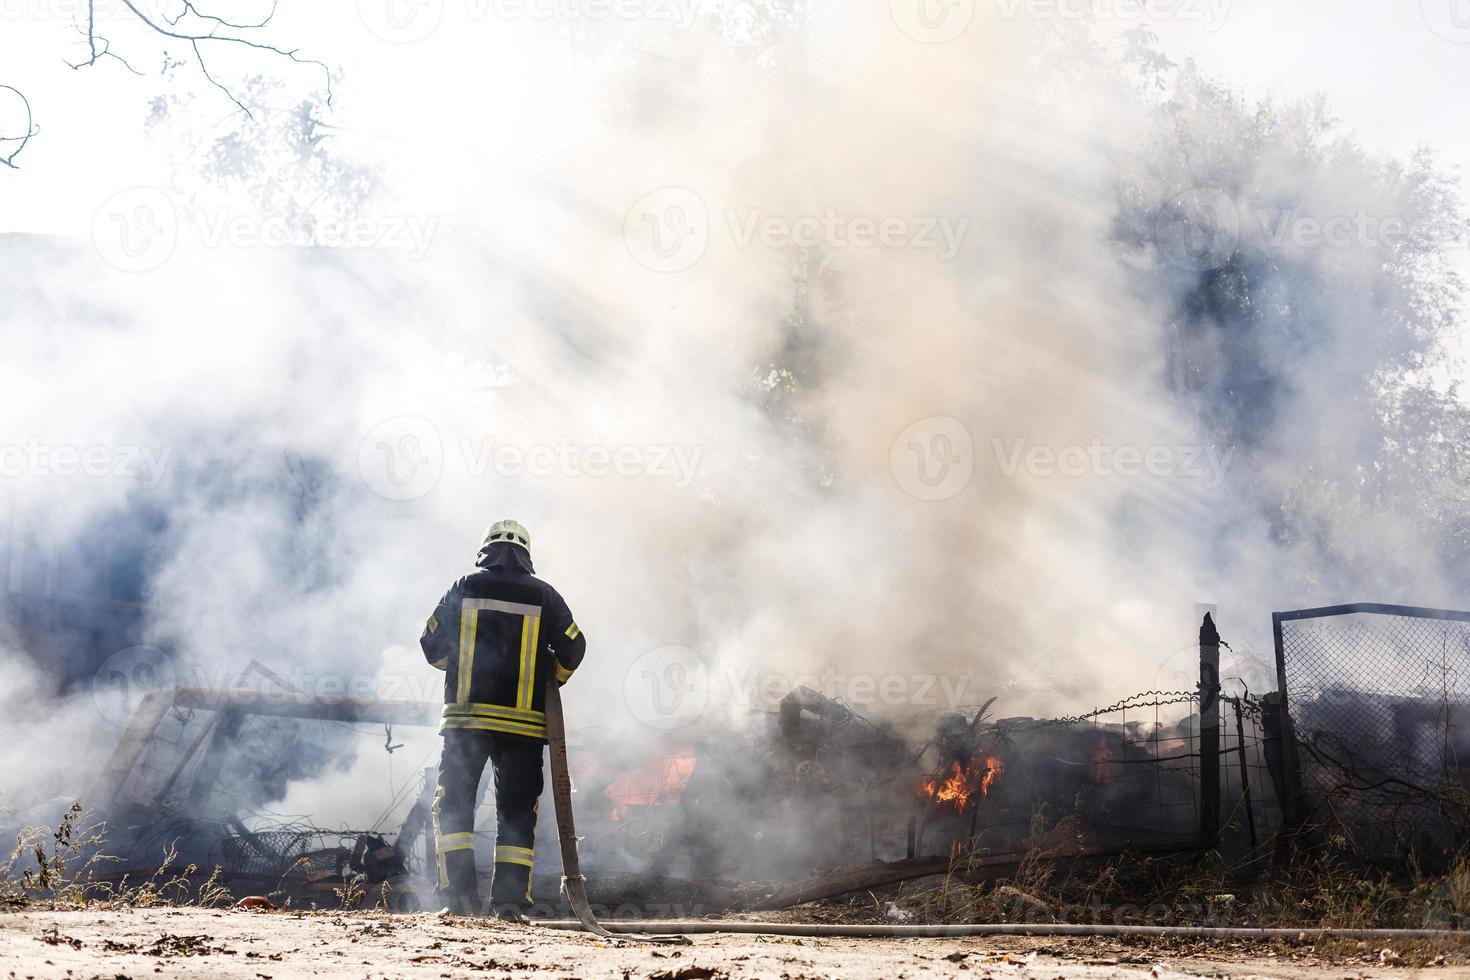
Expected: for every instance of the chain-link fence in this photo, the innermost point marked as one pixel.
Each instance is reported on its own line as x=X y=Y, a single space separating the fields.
x=1378 y=698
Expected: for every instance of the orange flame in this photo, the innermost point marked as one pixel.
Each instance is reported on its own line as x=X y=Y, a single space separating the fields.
x=958 y=788
x=663 y=781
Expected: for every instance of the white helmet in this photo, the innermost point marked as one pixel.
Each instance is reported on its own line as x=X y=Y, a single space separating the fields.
x=511 y=532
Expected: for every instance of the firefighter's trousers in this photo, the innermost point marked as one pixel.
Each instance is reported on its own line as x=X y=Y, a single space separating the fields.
x=518 y=782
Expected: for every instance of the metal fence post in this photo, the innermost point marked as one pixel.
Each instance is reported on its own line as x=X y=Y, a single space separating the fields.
x=1292 y=810
x=1209 y=733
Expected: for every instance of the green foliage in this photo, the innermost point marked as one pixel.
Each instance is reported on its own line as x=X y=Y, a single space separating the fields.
x=1323 y=363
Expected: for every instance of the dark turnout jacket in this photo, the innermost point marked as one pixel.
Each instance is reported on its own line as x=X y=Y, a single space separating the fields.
x=499 y=634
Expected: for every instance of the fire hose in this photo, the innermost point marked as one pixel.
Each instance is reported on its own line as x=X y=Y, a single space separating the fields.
x=574 y=883
x=689 y=927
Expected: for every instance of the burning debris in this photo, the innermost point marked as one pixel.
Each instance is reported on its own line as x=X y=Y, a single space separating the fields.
x=801 y=802
x=964 y=784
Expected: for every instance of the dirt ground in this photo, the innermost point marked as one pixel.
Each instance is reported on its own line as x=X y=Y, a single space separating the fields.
x=185 y=942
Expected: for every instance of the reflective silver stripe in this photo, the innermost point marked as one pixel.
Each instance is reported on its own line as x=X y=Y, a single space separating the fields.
x=501 y=605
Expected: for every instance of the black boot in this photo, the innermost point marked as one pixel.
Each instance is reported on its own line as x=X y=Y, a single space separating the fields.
x=511 y=913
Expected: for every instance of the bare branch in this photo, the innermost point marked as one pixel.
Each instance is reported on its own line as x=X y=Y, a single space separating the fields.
x=209 y=31
x=190 y=8
x=172 y=31
x=30 y=127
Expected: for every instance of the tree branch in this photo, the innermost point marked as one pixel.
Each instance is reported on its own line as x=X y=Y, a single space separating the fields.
x=31 y=129
x=209 y=31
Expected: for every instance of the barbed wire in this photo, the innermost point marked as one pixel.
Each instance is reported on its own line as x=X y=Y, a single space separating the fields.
x=1156 y=699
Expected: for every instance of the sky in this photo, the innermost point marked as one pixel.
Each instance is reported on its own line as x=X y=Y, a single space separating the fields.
x=1394 y=69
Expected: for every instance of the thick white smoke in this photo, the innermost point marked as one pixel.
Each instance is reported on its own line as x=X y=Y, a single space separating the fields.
x=723 y=442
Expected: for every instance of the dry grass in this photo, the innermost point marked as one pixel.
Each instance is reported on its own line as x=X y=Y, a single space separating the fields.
x=1321 y=886
x=59 y=867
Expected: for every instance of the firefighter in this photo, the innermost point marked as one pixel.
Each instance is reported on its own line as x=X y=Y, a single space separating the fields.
x=498 y=634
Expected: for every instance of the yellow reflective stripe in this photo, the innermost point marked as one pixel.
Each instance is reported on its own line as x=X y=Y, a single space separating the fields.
x=514 y=860
x=469 y=623
x=483 y=710
x=454 y=842
x=563 y=674
x=495 y=725
x=521 y=677
x=433 y=624
x=530 y=639
x=535 y=649
x=438 y=854
x=573 y=632
x=510 y=854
